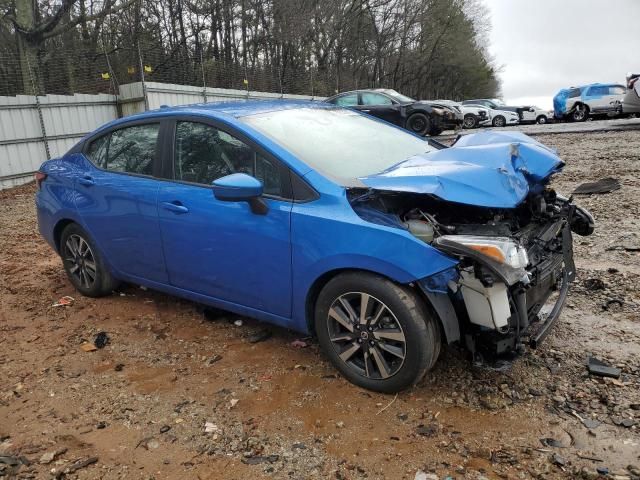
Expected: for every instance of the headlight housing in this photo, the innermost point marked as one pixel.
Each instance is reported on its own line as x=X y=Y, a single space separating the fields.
x=501 y=254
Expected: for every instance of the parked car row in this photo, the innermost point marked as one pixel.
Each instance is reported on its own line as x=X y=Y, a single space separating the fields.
x=432 y=117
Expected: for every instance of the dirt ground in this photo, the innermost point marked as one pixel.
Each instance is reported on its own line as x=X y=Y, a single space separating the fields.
x=178 y=393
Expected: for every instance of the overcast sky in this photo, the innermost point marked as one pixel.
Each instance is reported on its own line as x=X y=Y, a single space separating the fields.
x=546 y=45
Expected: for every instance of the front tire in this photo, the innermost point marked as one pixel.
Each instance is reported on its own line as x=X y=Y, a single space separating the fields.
x=470 y=121
x=541 y=120
x=419 y=123
x=378 y=334
x=499 y=121
x=84 y=264
x=580 y=113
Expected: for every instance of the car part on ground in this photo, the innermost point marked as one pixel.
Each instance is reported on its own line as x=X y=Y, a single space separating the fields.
x=377 y=241
x=419 y=117
x=580 y=103
x=604 y=185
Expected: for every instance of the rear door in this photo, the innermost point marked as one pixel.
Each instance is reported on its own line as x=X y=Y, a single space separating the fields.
x=222 y=249
x=380 y=106
x=117 y=196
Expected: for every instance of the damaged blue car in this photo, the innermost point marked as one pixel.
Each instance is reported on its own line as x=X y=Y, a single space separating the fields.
x=382 y=244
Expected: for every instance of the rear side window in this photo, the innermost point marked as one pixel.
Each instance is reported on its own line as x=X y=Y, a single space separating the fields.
x=205 y=153
x=128 y=150
x=350 y=100
x=617 y=90
x=369 y=98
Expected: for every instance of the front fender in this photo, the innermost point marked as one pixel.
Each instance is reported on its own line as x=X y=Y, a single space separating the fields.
x=327 y=235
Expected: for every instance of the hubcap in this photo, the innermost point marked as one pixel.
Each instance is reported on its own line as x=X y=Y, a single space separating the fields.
x=469 y=122
x=366 y=335
x=417 y=125
x=79 y=260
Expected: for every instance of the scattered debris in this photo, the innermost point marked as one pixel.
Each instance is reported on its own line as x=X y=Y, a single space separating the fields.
x=428 y=430
x=238 y=323
x=591 y=423
x=148 y=443
x=299 y=446
x=340 y=424
x=210 y=427
x=594 y=284
x=88 y=347
x=165 y=428
x=77 y=465
x=51 y=456
x=214 y=359
x=260 y=335
x=551 y=442
x=602 y=470
x=601 y=369
x=64 y=301
x=255 y=460
x=299 y=344
x=388 y=405
x=612 y=301
x=118 y=367
x=233 y=402
x=604 y=185
x=558 y=460
x=101 y=340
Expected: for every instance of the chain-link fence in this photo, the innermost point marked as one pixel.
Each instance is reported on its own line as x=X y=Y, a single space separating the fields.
x=64 y=72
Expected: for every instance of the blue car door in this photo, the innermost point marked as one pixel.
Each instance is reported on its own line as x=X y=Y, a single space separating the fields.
x=117 y=198
x=222 y=249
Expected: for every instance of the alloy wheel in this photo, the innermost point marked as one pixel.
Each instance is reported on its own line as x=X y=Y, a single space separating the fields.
x=469 y=122
x=366 y=335
x=418 y=125
x=80 y=261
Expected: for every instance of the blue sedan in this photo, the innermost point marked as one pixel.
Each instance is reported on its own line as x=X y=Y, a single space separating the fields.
x=325 y=221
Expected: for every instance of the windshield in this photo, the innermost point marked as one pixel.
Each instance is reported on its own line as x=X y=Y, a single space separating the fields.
x=498 y=102
x=398 y=96
x=339 y=142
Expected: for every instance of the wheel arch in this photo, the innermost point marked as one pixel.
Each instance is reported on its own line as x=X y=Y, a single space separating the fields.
x=443 y=313
x=58 y=229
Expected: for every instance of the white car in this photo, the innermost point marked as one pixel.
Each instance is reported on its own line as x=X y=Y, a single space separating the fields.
x=474 y=115
x=534 y=115
x=501 y=118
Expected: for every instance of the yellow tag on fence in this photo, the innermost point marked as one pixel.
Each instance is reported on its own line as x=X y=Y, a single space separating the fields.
x=148 y=69
x=106 y=76
x=131 y=70
x=245 y=81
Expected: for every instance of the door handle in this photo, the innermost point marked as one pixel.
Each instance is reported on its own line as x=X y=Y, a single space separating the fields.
x=175 y=206
x=86 y=180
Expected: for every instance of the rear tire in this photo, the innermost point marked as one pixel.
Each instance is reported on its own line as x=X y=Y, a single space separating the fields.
x=84 y=264
x=419 y=123
x=388 y=348
x=499 y=121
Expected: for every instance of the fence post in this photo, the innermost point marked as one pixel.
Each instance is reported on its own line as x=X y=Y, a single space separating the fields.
x=204 y=79
x=39 y=109
x=144 y=87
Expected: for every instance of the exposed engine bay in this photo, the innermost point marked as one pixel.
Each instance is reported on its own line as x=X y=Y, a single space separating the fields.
x=512 y=262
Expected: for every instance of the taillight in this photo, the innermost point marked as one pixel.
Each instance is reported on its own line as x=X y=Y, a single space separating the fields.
x=40 y=177
x=632 y=82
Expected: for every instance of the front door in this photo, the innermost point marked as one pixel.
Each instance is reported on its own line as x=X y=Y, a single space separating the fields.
x=116 y=199
x=380 y=106
x=222 y=249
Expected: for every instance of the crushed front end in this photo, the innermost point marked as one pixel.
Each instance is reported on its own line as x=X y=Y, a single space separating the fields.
x=486 y=202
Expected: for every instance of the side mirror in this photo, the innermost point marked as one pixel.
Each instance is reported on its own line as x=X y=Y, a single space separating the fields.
x=240 y=187
x=532 y=109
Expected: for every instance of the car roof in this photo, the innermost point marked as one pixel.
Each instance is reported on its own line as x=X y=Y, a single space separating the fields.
x=223 y=110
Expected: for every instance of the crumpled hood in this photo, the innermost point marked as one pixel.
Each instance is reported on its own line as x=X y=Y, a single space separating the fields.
x=488 y=169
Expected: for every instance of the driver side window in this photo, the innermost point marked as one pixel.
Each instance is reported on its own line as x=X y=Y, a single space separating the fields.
x=369 y=98
x=204 y=153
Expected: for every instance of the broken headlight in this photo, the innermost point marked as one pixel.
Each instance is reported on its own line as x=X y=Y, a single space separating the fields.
x=501 y=254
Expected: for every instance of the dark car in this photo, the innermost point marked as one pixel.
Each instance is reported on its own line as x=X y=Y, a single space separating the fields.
x=419 y=117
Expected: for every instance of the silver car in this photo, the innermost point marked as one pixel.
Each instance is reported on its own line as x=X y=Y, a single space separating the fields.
x=631 y=100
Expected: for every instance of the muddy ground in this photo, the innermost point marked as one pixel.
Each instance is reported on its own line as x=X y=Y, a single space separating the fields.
x=180 y=394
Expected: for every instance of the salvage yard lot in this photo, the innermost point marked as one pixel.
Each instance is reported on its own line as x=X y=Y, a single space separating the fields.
x=275 y=410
